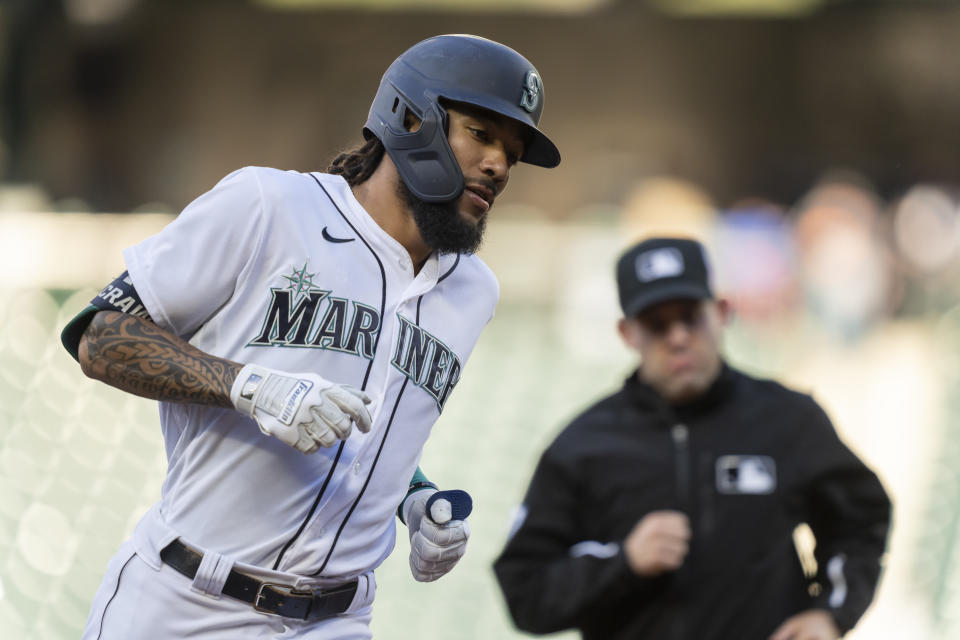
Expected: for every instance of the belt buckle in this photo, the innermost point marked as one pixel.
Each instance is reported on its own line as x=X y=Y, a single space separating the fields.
x=291 y=591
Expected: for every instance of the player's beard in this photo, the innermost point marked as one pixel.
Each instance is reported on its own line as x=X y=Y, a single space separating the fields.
x=441 y=226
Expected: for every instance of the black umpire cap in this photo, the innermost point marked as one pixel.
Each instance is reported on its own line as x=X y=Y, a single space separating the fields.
x=661 y=269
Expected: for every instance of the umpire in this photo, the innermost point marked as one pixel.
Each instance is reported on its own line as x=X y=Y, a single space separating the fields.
x=666 y=511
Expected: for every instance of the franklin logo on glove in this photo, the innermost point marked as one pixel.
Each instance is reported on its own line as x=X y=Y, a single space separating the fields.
x=293 y=401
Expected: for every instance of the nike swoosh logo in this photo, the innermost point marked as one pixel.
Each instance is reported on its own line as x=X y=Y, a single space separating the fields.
x=330 y=238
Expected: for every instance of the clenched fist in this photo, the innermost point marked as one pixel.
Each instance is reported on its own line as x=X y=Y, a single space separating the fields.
x=302 y=409
x=658 y=543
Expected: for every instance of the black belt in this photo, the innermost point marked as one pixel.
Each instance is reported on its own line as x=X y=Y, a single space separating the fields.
x=269 y=597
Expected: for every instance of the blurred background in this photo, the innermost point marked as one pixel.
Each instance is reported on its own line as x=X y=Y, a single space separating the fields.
x=811 y=144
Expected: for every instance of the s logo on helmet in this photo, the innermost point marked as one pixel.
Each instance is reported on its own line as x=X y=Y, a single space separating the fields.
x=532 y=90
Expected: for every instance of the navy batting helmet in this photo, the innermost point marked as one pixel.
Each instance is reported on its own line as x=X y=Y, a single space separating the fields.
x=457 y=68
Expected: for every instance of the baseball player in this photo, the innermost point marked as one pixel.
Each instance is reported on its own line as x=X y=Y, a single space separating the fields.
x=303 y=332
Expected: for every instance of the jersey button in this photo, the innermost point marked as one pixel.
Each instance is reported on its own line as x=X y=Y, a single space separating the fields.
x=356 y=468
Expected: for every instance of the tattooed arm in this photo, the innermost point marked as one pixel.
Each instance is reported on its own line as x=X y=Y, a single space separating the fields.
x=137 y=356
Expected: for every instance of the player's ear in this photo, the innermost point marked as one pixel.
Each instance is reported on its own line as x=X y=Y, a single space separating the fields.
x=411 y=122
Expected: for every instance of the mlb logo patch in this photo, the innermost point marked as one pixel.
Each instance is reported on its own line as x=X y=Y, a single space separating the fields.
x=659 y=263
x=756 y=475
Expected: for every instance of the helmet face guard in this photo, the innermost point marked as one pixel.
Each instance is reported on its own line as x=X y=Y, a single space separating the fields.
x=455 y=68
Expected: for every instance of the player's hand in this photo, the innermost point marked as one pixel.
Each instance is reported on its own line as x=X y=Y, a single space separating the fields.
x=303 y=410
x=658 y=543
x=812 y=624
x=438 y=539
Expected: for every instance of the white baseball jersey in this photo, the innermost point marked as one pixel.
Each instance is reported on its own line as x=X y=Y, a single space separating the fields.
x=287 y=270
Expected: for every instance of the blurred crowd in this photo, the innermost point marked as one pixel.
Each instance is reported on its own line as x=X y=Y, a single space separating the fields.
x=841 y=253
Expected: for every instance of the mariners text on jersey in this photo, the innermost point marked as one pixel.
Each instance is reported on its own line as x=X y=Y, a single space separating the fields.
x=316 y=319
x=303 y=326
x=428 y=363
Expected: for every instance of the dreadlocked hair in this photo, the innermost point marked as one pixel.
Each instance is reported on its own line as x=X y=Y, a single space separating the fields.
x=359 y=163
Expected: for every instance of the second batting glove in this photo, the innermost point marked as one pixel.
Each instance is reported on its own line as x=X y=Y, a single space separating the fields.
x=436 y=521
x=303 y=410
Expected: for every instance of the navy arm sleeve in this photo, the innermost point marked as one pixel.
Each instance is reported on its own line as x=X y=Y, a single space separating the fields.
x=119 y=295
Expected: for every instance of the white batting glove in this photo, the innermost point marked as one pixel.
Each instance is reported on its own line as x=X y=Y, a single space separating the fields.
x=303 y=410
x=436 y=542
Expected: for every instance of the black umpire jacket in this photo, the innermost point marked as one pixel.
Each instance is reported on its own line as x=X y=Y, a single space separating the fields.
x=748 y=462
